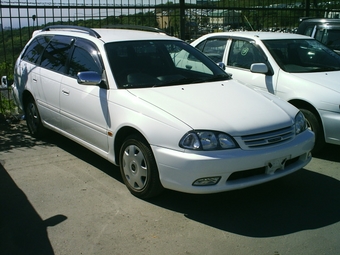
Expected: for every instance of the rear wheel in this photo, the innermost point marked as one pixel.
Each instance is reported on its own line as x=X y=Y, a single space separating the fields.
x=33 y=120
x=314 y=125
x=138 y=168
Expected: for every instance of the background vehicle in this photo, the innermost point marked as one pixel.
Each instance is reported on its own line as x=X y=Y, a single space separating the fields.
x=158 y=108
x=297 y=68
x=326 y=31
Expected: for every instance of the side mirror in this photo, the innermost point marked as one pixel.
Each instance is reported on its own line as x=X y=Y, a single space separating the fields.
x=259 y=68
x=221 y=65
x=89 y=78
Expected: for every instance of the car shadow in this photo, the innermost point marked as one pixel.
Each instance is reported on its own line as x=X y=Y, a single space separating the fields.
x=329 y=152
x=84 y=154
x=22 y=231
x=300 y=201
x=15 y=135
x=303 y=200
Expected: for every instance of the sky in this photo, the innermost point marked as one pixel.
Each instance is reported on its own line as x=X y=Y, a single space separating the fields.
x=21 y=16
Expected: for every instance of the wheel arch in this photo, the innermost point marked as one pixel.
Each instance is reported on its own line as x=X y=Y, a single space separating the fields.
x=320 y=139
x=120 y=137
x=26 y=95
x=300 y=104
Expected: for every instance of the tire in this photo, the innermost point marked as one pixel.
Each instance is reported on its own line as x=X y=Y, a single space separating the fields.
x=315 y=125
x=138 y=168
x=33 y=120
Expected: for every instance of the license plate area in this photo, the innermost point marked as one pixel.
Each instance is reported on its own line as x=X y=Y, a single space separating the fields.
x=276 y=164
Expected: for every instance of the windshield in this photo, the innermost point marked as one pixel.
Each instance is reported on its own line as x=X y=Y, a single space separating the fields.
x=140 y=64
x=303 y=55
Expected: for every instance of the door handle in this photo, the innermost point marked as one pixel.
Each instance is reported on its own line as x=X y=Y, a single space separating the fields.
x=65 y=92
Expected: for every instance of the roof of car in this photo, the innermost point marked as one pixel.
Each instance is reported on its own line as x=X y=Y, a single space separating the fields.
x=108 y=34
x=320 y=20
x=261 y=35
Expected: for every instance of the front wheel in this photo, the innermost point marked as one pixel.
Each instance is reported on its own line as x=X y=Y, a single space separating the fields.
x=138 y=168
x=314 y=125
x=33 y=120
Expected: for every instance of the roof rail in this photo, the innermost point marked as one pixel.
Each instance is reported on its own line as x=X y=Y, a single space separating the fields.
x=137 y=27
x=70 y=27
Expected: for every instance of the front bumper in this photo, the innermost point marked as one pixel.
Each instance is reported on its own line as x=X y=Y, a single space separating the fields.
x=237 y=168
x=16 y=96
x=331 y=123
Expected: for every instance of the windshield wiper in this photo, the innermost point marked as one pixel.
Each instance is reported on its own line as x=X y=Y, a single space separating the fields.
x=322 y=69
x=181 y=81
x=219 y=77
x=191 y=80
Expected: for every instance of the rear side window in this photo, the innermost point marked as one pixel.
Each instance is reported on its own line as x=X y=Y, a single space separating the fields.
x=308 y=31
x=213 y=48
x=35 y=49
x=329 y=37
x=56 y=53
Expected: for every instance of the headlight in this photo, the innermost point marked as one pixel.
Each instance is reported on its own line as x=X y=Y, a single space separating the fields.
x=207 y=140
x=300 y=123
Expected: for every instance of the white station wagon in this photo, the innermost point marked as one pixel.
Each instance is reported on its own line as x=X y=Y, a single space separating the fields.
x=297 y=68
x=127 y=96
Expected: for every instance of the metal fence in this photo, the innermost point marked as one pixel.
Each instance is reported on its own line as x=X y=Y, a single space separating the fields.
x=186 y=19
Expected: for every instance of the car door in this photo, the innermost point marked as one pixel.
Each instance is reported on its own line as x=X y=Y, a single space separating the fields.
x=26 y=69
x=51 y=71
x=238 y=54
x=241 y=54
x=83 y=108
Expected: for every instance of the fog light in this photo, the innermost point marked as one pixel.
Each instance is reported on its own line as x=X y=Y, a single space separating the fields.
x=207 y=181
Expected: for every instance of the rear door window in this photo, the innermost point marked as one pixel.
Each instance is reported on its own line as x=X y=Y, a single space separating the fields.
x=56 y=54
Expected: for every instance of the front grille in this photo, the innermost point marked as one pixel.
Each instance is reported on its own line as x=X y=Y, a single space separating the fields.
x=257 y=171
x=246 y=174
x=269 y=138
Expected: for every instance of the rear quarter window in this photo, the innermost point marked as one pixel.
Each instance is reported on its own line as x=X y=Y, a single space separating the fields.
x=35 y=49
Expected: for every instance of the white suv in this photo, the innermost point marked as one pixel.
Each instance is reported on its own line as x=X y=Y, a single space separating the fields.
x=134 y=98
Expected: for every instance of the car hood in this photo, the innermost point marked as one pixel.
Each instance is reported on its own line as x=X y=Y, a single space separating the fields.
x=328 y=80
x=224 y=106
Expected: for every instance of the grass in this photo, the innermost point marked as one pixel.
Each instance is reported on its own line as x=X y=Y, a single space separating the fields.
x=8 y=108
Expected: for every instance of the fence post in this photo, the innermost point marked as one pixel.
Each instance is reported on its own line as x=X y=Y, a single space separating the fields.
x=182 y=19
x=307 y=7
